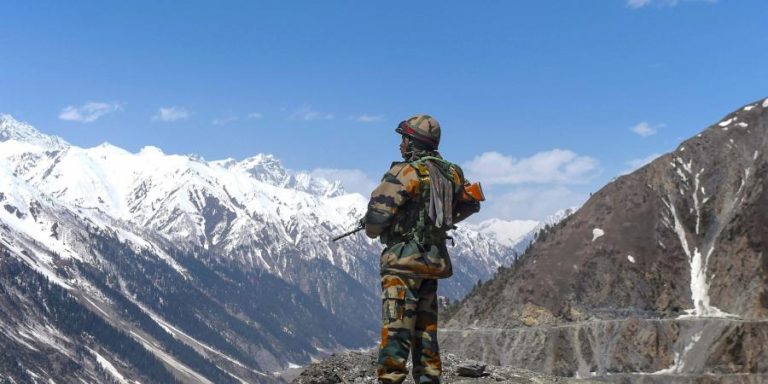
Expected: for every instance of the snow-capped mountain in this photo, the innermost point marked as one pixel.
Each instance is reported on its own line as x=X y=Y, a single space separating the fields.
x=10 y=129
x=228 y=261
x=518 y=234
x=507 y=232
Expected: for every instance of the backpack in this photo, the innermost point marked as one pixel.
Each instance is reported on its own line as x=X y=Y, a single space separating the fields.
x=416 y=239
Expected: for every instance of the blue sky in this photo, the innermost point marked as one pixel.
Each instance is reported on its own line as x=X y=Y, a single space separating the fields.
x=543 y=101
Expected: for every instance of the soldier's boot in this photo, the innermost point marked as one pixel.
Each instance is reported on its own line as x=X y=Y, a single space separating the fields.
x=427 y=366
x=393 y=354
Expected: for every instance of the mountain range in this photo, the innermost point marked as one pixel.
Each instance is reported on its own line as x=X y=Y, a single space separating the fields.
x=148 y=266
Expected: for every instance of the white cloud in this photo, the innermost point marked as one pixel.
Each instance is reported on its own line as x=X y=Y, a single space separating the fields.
x=366 y=118
x=353 y=180
x=645 y=129
x=636 y=164
x=308 y=114
x=529 y=203
x=169 y=114
x=636 y=4
x=255 y=115
x=88 y=112
x=224 y=120
x=554 y=166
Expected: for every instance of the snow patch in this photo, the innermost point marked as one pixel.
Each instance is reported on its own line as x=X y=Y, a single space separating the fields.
x=698 y=267
x=107 y=365
x=679 y=359
x=696 y=204
x=597 y=233
x=131 y=238
x=765 y=103
x=181 y=335
x=631 y=259
x=726 y=123
x=170 y=360
x=749 y=107
x=672 y=369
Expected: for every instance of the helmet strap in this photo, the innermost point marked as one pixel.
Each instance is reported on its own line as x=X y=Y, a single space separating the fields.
x=408 y=155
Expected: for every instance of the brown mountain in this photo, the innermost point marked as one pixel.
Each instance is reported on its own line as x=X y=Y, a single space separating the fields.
x=663 y=270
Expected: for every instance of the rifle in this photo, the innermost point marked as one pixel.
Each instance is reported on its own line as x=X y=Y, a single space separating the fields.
x=360 y=227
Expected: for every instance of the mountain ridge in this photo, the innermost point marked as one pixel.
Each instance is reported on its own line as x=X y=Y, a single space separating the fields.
x=199 y=262
x=661 y=271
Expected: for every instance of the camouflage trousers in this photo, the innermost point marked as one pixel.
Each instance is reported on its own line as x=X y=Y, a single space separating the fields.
x=409 y=318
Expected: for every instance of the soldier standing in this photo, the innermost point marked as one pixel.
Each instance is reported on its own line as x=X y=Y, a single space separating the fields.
x=411 y=211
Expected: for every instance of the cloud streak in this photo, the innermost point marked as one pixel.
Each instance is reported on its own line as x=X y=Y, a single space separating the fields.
x=645 y=129
x=555 y=166
x=88 y=112
x=637 y=4
x=171 y=114
x=224 y=120
x=308 y=114
x=366 y=118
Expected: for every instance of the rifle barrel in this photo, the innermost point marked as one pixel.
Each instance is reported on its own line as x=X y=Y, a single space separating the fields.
x=358 y=229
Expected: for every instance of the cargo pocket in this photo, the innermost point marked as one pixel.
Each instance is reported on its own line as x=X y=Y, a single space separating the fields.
x=439 y=262
x=393 y=303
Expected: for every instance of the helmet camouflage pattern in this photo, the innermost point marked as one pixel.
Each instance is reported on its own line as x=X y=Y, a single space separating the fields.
x=422 y=128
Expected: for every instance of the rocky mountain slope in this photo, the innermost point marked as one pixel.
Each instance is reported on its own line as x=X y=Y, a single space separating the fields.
x=664 y=271
x=206 y=271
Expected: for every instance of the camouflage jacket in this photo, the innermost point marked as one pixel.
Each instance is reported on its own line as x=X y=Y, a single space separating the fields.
x=413 y=249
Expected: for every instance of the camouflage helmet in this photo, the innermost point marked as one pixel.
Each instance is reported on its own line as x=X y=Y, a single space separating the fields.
x=422 y=128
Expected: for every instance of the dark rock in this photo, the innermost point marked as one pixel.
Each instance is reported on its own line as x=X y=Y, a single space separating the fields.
x=471 y=369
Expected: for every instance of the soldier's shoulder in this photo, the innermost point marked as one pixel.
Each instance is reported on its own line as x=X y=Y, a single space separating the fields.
x=398 y=167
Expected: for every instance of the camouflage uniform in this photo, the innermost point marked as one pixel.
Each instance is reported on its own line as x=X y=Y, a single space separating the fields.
x=409 y=324
x=410 y=265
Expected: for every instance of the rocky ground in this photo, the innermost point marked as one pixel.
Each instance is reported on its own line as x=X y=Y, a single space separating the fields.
x=360 y=367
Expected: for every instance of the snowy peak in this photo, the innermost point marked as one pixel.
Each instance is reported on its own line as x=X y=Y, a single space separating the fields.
x=518 y=233
x=12 y=129
x=507 y=232
x=265 y=168
x=303 y=181
x=558 y=216
x=268 y=169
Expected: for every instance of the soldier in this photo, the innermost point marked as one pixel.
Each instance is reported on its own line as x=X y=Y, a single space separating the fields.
x=412 y=209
